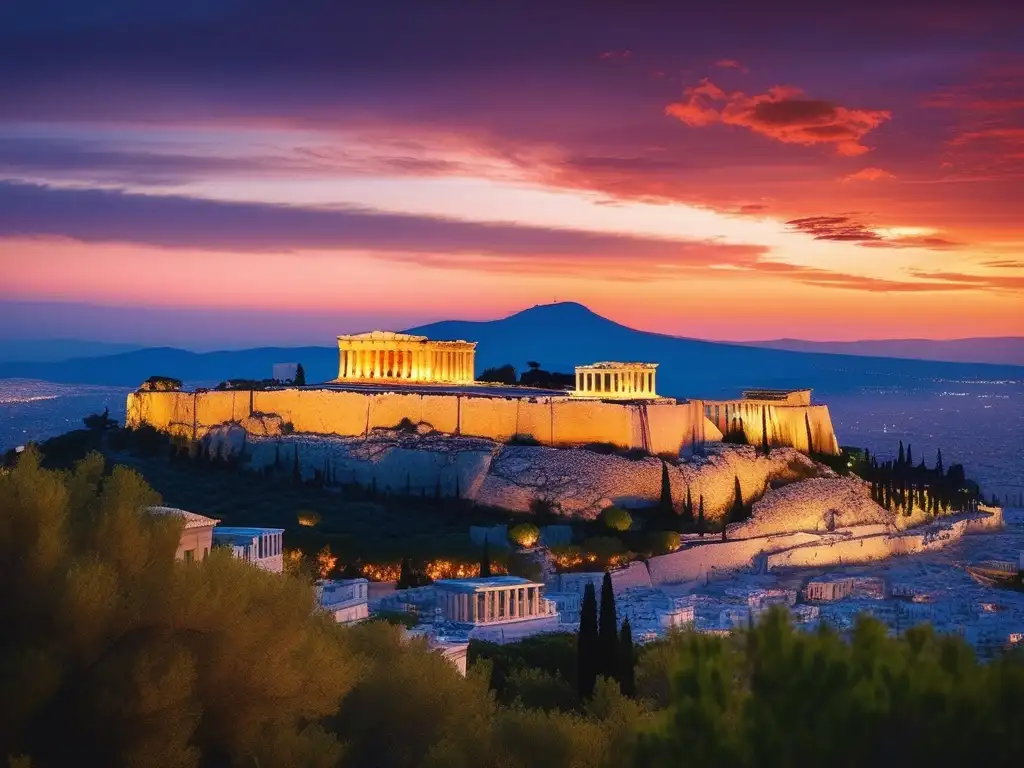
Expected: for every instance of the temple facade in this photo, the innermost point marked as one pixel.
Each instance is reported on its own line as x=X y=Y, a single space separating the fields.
x=492 y=600
x=386 y=356
x=616 y=381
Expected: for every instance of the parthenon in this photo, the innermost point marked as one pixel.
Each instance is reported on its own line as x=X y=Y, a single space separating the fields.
x=616 y=381
x=382 y=355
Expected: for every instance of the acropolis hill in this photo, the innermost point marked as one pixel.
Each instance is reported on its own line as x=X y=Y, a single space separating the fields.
x=386 y=379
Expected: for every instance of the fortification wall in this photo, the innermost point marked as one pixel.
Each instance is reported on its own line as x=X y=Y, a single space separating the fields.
x=787 y=424
x=659 y=427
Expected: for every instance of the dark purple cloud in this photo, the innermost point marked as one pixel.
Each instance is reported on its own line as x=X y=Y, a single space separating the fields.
x=101 y=216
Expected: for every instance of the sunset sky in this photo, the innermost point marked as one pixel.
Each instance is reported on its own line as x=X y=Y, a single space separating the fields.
x=280 y=172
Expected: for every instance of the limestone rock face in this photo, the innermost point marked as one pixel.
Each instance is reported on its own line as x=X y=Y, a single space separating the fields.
x=819 y=504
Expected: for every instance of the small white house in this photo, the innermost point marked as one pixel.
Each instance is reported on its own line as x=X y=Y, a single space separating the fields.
x=345 y=599
x=260 y=546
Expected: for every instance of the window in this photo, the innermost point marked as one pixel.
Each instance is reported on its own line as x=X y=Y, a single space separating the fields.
x=189 y=555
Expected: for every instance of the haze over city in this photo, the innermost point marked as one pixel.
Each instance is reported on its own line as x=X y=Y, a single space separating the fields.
x=256 y=173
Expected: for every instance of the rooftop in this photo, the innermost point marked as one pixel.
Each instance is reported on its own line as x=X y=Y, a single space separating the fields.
x=228 y=534
x=613 y=365
x=771 y=394
x=192 y=520
x=491 y=582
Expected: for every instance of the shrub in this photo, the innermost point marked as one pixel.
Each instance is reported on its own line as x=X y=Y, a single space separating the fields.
x=603 y=548
x=406 y=619
x=524 y=534
x=663 y=542
x=160 y=384
x=521 y=439
x=308 y=518
x=505 y=374
x=616 y=519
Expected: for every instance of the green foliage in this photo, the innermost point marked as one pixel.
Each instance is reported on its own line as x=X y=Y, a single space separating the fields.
x=627 y=661
x=526 y=567
x=603 y=548
x=662 y=542
x=136 y=658
x=616 y=519
x=405 y=619
x=778 y=696
x=524 y=534
x=536 y=689
x=504 y=374
x=555 y=654
x=161 y=384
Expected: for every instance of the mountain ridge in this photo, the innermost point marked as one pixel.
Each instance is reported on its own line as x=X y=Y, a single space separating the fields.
x=558 y=336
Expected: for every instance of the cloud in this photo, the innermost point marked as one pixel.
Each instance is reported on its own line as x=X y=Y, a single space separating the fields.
x=104 y=216
x=846 y=229
x=836 y=228
x=1004 y=264
x=869 y=174
x=975 y=282
x=731 y=64
x=783 y=113
x=824 y=278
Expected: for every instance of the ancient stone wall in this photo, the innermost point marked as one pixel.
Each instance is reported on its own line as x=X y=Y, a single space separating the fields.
x=659 y=427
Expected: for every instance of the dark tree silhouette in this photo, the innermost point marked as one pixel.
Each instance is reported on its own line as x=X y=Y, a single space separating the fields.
x=810 y=435
x=627 y=661
x=505 y=374
x=700 y=517
x=665 y=507
x=608 y=631
x=586 y=645
x=300 y=376
x=764 y=430
x=687 y=516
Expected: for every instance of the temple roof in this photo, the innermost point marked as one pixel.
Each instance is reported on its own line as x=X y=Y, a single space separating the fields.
x=192 y=520
x=619 y=365
x=383 y=336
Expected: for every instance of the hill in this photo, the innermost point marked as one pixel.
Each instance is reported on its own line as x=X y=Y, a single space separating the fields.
x=558 y=336
x=53 y=350
x=1003 y=350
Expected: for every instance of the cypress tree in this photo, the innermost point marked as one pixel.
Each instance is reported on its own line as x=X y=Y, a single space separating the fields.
x=688 y=511
x=608 y=631
x=627 y=661
x=910 y=455
x=404 y=575
x=700 y=517
x=738 y=511
x=764 y=430
x=938 y=464
x=485 y=559
x=300 y=376
x=665 y=502
x=586 y=645
x=810 y=435
x=901 y=460
x=296 y=472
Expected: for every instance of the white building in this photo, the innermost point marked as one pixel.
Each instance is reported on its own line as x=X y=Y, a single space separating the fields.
x=260 y=546
x=345 y=599
x=828 y=589
x=567 y=604
x=196 y=535
x=498 y=608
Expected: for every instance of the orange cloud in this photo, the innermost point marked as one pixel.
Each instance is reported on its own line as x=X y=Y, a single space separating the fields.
x=783 y=113
x=869 y=174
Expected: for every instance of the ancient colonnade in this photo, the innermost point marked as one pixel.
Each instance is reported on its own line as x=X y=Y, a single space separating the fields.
x=616 y=380
x=381 y=355
x=462 y=601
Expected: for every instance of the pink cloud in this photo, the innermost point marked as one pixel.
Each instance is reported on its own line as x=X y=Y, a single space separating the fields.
x=783 y=113
x=731 y=64
x=869 y=174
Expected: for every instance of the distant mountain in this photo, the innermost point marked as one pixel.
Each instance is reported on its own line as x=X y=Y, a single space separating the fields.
x=53 y=350
x=558 y=336
x=1002 y=350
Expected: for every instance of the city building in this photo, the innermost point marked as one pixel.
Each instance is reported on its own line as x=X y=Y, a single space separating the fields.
x=828 y=588
x=196 y=536
x=345 y=599
x=260 y=546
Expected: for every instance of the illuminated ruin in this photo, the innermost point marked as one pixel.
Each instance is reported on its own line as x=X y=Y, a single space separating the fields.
x=401 y=357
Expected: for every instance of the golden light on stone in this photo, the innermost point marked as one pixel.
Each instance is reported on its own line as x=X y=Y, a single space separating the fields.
x=616 y=381
x=402 y=357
